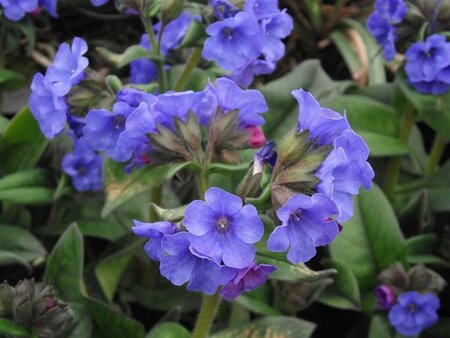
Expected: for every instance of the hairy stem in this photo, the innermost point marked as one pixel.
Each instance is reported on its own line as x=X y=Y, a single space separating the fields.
x=436 y=153
x=206 y=315
x=395 y=163
x=188 y=69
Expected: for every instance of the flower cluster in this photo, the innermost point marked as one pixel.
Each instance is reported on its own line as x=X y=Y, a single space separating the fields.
x=213 y=247
x=15 y=10
x=249 y=42
x=428 y=65
x=310 y=191
x=124 y=133
x=143 y=71
x=414 y=312
x=381 y=24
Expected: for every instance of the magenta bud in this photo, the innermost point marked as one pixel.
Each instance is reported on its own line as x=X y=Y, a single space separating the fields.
x=257 y=138
x=35 y=12
x=49 y=304
x=385 y=296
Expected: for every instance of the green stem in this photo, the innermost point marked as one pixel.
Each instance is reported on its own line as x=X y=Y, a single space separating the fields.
x=395 y=163
x=206 y=315
x=202 y=183
x=436 y=153
x=188 y=69
x=155 y=197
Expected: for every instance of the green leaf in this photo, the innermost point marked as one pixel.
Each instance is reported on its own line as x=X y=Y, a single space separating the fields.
x=131 y=54
x=22 y=143
x=167 y=299
x=9 y=258
x=344 y=293
x=270 y=327
x=10 y=328
x=10 y=80
x=110 y=269
x=24 y=178
x=81 y=326
x=377 y=73
x=171 y=215
x=120 y=187
x=111 y=323
x=348 y=53
x=383 y=145
x=228 y=168
x=194 y=36
x=371 y=240
x=20 y=242
x=257 y=306
x=31 y=196
x=380 y=327
x=422 y=244
x=423 y=103
x=438 y=117
x=293 y=273
x=168 y=330
x=65 y=265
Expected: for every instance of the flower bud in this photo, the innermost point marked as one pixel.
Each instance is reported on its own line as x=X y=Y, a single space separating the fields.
x=257 y=138
x=171 y=9
x=385 y=296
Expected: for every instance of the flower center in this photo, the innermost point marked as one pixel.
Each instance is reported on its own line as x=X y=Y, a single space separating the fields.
x=228 y=33
x=119 y=122
x=412 y=308
x=222 y=225
x=296 y=215
x=81 y=170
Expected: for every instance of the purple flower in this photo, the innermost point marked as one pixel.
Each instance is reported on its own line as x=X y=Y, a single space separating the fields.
x=224 y=229
x=414 y=312
x=50 y=6
x=223 y=9
x=267 y=155
x=181 y=263
x=247 y=279
x=68 y=68
x=15 y=10
x=428 y=65
x=385 y=296
x=381 y=24
x=250 y=103
x=144 y=71
x=305 y=225
x=234 y=41
x=262 y=8
x=50 y=111
x=155 y=232
x=76 y=125
x=244 y=75
x=322 y=123
x=344 y=171
x=98 y=3
x=84 y=166
x=276 y=28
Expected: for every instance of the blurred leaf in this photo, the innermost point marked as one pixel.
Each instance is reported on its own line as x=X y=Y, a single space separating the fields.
x=167 y=299
x=377 y=73
x=24 y=178
x=380 y=327
x=131 y=54
x=428 y=259
x=65 y=265
x=113 y=324
x=32 y=196
x=22 y=143
x=197 y=81
x=376 y=122
x=344 y=292
x=438 y=117
x=293 y=273
x=3 y=123
x=10 y=80
x=270 y=327
x=171 y=215
x=10 y=328
x=194 y=36
x=81 y=326
x=120 y=187
x=168 y=330
x=283 y=110
x=20 y=242
x=349 y=55
x=257 y=306
x=423 y=103
x=110 y=269
x=421 y=244
x=9 y=258
x=228 y=168
x=371 y=240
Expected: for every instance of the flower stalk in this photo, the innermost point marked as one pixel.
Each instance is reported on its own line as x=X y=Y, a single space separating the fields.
x=436 y=153
x=206 y=315
x=188 y=69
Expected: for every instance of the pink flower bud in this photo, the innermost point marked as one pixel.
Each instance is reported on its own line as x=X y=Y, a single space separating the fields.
x=257 y=138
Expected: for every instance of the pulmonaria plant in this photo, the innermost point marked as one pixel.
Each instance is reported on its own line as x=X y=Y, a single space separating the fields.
x=247 y=43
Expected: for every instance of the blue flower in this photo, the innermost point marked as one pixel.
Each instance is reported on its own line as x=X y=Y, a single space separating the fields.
x=262 y=8
x=98 y=3
x=322 y=123
x=267 y=154
x=50 y=6
x=276 y=28
x=223 y=9
x=84 y=166
x=181 y=263
x=428 y=65
x=144 y=71
x=305 y=225
x=224 y=229
x=155 y=232
x=247 y=279
x=414 y=312
x=234 y=41
x=381 y=24
x=385 y=296
x=244 y=75
x=15 y=10
x=344 y=171
x=49 y=110
x=249 y=103
x=68 y=68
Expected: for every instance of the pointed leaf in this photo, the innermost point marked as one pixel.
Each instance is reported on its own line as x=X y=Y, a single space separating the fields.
x=168 y=330
x=21 y=242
